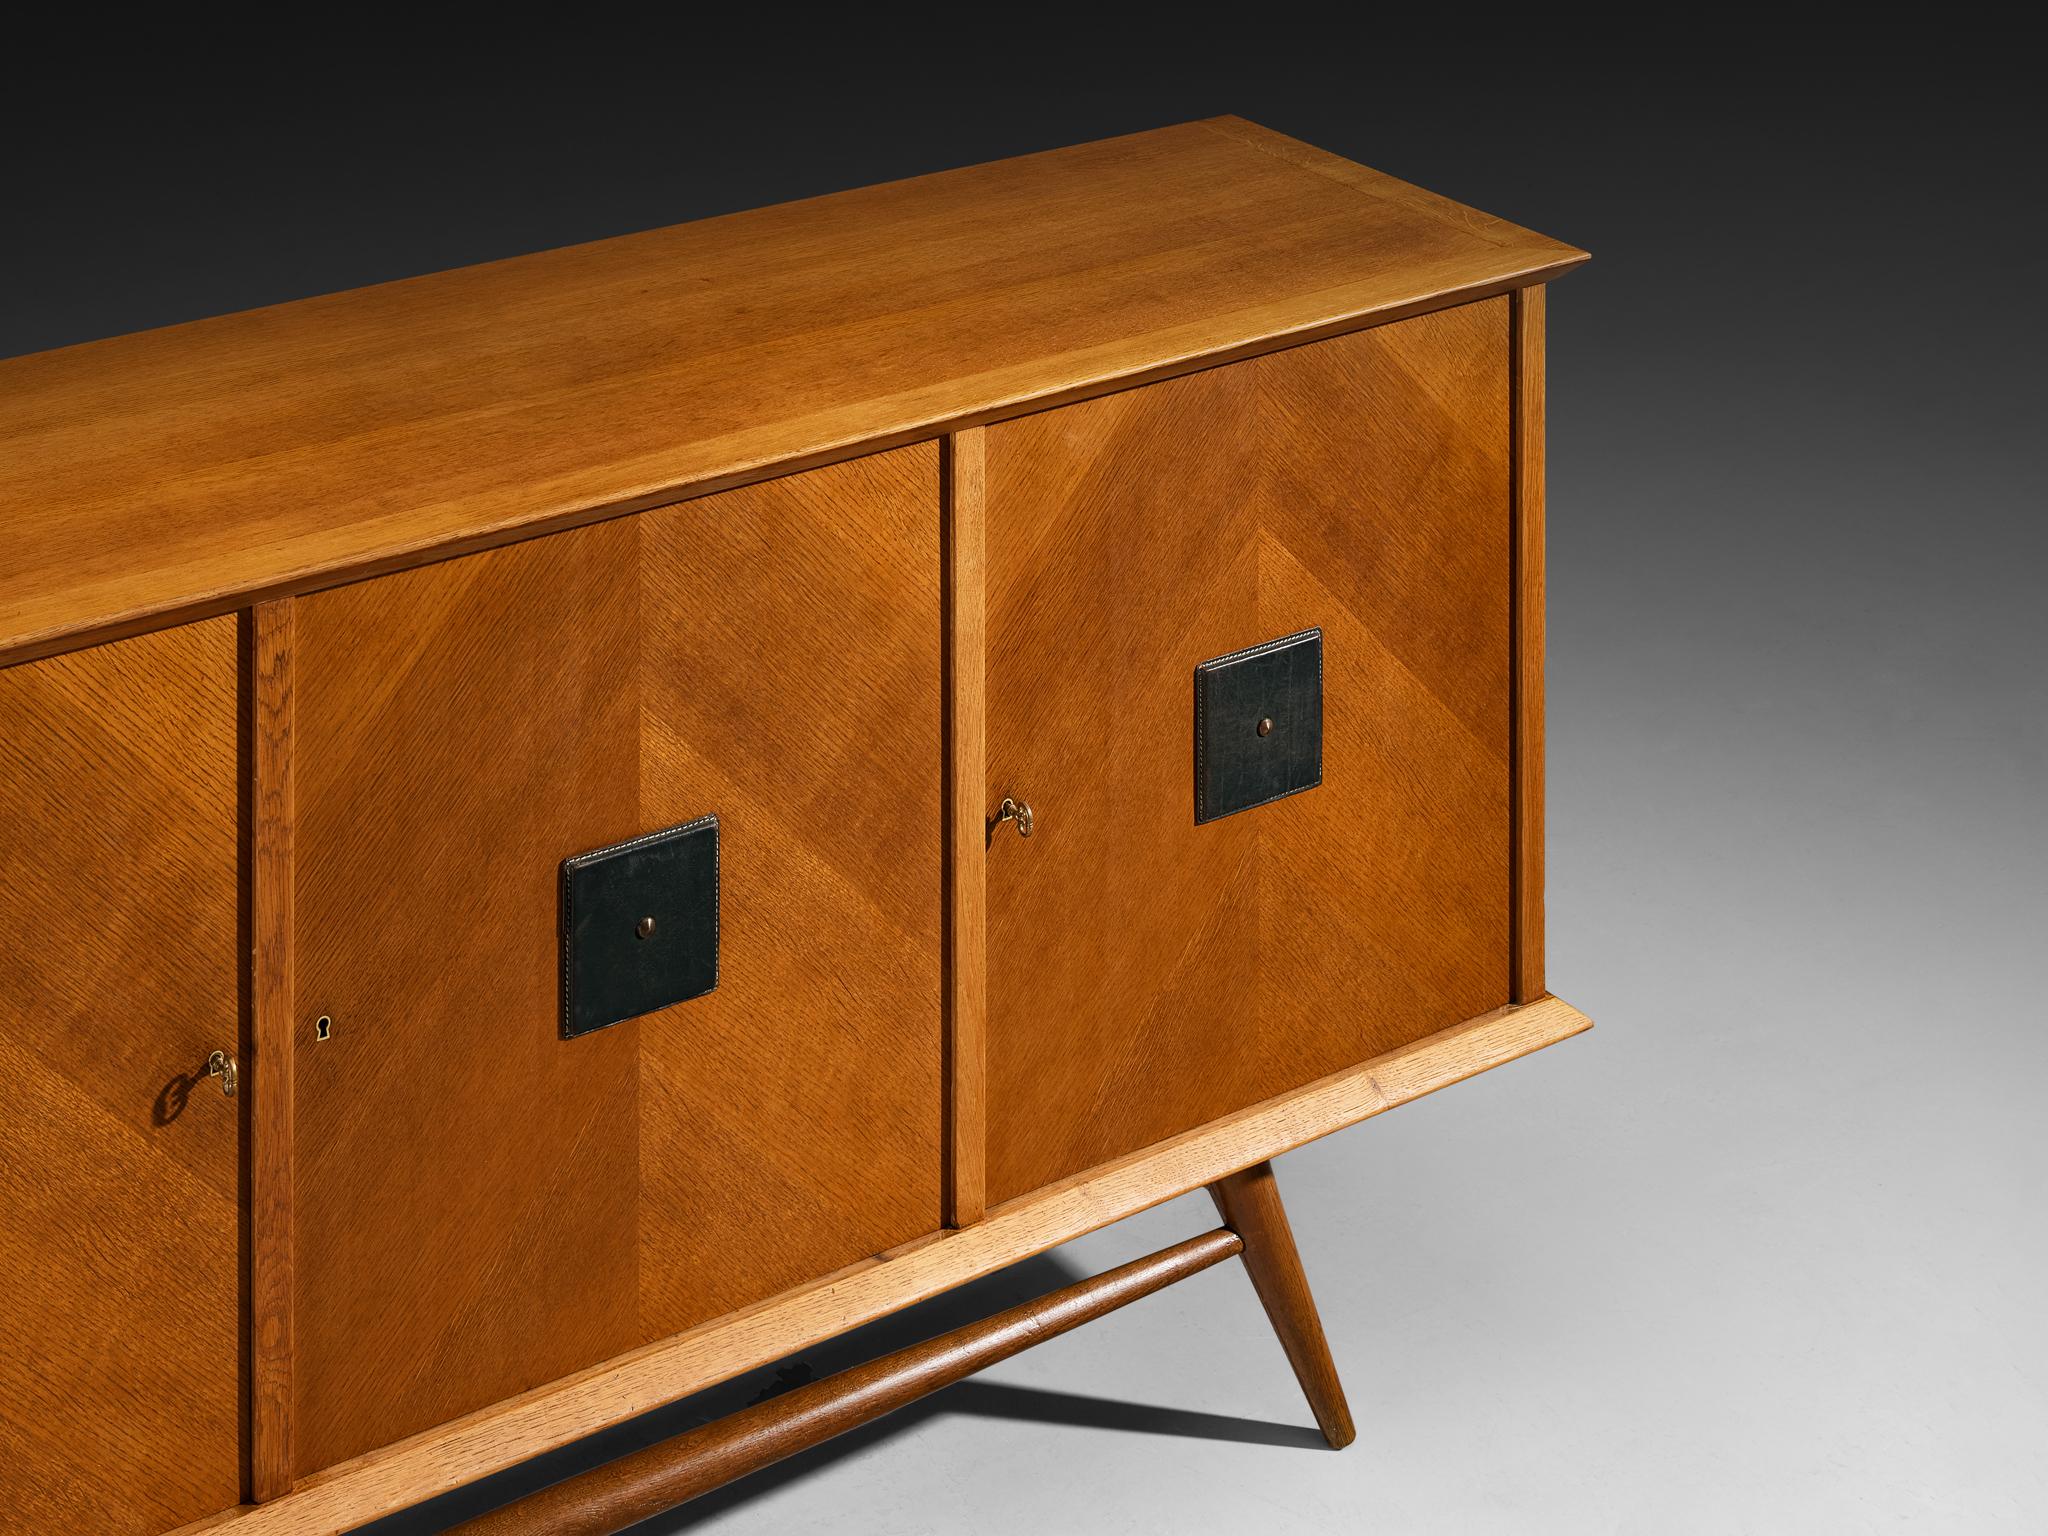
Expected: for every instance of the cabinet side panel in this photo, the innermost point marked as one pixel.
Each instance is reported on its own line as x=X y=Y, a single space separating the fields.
x=120 y=1384
x=791 y=684
x=1147 y=974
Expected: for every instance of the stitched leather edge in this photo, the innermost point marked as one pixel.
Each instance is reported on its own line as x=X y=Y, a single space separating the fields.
x=1203 y=669
x=575 y=861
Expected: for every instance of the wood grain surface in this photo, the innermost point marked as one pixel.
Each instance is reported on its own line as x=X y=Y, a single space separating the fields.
x=622 y=1493
x=790 y=682
x=482 y=1206
x=466 y=1190
x=966 y=556
x=268 y=1075
x=1528 y=584
x=503 y=1434
x=120 y=1236
x=1147 y=974
x=194 y=469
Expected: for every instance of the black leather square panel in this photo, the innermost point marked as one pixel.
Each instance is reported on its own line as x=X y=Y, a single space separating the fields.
x=1258 y=725
x=639 y=926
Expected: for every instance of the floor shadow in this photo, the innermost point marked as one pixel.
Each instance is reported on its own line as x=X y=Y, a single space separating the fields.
x=953 y=1309
x=1039 y=1405
x=993 y=1400
x=1021 y=1282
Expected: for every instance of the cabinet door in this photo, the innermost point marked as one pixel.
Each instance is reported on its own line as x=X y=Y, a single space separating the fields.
x=1147 y=974
x=483 y=1205
x=119 y=975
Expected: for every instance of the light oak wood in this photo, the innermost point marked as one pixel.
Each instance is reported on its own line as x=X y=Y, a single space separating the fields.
x=489 y=1441
x=792 y=682
x=1249 y=1203
x=199 y=468
x=1528 y=588
x=1420 y=200
x=622 y=1493
x=120 y=1233
x=465 y=1192
x=1147 y=973
x=841 y=521
x=267 y=1077
x=483 y=1206
x=966 y=825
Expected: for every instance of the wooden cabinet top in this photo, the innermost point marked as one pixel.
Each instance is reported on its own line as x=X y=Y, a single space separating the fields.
x=188 y=471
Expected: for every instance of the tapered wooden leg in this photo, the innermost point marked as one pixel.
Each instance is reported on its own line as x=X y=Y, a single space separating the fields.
x=1249 y=1203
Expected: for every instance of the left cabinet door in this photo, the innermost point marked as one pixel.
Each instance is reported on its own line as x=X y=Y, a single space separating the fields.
x=482 y=1204
x=119 y=1157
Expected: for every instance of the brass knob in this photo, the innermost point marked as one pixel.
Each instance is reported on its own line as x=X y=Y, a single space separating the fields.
x=221 y=1065
x=1018 y=811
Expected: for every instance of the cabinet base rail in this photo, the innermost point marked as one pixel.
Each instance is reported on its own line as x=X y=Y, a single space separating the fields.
x=621 y=1493
x=1226 y=1155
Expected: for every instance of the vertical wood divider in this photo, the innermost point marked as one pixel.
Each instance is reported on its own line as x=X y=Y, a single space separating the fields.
x=272 y=1030
x=1525 y=920
x=964 y=546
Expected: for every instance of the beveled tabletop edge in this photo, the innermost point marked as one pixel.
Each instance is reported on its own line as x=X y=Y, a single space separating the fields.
x=48 y=606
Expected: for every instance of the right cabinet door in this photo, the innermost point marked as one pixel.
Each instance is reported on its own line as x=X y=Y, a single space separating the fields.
x=1148 y=973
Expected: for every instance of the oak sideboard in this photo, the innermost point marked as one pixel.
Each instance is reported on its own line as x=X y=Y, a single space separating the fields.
x=577 y=826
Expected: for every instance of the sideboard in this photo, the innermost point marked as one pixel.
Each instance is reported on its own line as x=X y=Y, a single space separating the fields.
x=577 y=826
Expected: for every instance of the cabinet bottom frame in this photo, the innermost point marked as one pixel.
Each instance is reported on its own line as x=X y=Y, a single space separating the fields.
x=492 y=1439
x=620 y=1494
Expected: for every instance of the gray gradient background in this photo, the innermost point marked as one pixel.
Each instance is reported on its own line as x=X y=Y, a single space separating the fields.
x=1764 y=1251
